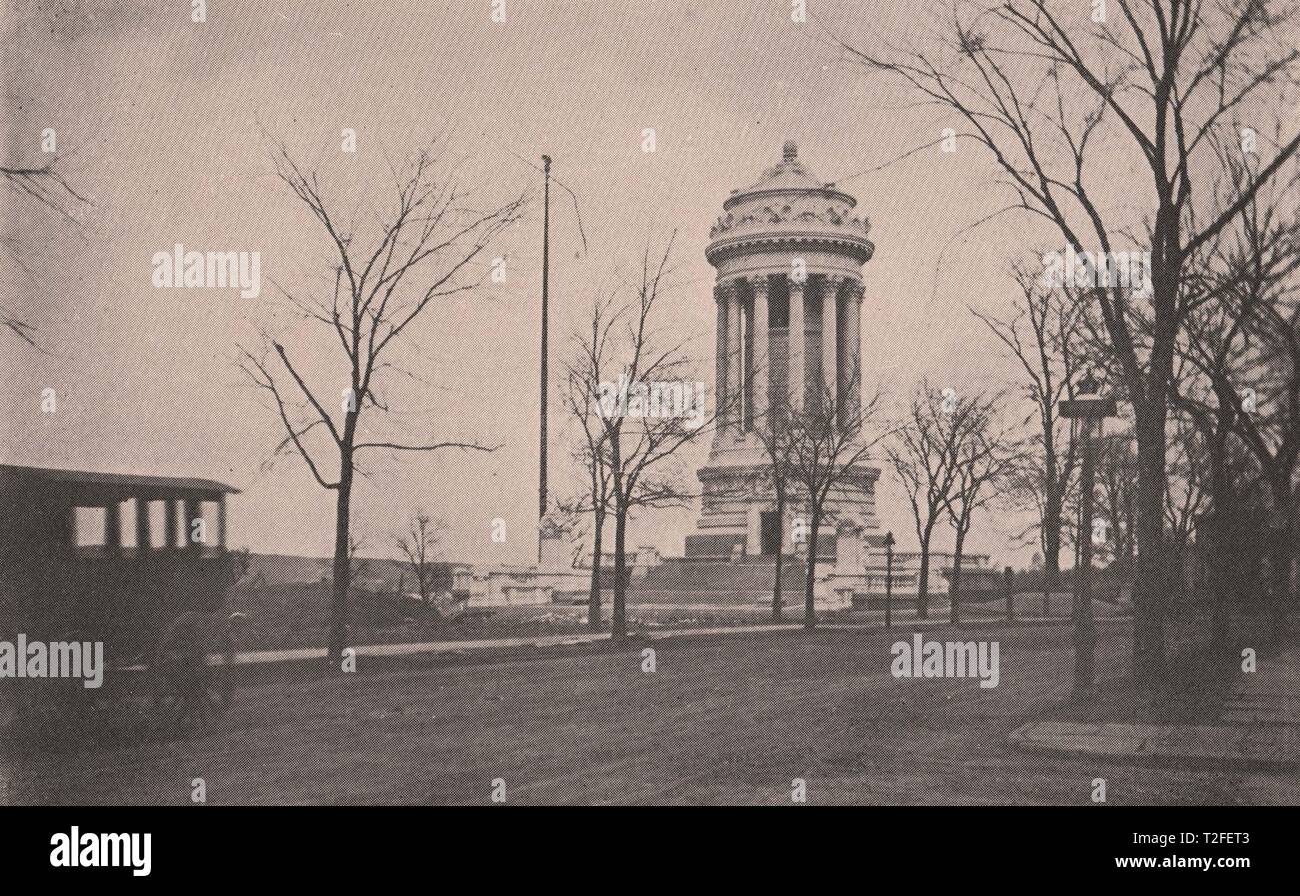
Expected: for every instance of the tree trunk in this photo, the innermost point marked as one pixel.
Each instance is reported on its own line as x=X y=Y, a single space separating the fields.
x=923 y=579
x=1130 y=542
x=342 y=567
x=618 y=623
x=780 y=549
x=809 y=608
x=954 y=615
x=1282 y=553
x=593 y=598
x=1149 y=584
x=1051 y=542
x=1217 y=557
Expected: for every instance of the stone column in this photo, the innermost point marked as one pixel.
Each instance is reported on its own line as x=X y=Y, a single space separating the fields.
x=853 y=372
x=720 y=366
x=830 y=359
x=760 y=330
x=735 y=358
x=796 y=365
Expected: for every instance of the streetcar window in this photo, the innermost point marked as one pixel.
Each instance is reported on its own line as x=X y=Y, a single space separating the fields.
x=211 y=515
x=158 y=524
x=90 y=527
x=126 y=523
x=181 y=537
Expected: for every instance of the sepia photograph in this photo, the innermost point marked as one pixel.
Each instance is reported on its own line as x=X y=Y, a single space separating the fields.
x=719 y=403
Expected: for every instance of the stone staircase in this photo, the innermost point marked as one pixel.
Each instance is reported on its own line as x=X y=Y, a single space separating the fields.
x=748 y=583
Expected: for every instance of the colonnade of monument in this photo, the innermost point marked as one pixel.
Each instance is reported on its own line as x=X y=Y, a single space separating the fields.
x=744 y=358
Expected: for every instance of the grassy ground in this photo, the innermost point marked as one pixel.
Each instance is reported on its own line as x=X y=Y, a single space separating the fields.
x=721 y=720
x=291 y=616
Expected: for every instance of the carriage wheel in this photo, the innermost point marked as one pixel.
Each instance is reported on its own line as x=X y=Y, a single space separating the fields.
x=186 y=695
x=193 y=680
x=220 y=686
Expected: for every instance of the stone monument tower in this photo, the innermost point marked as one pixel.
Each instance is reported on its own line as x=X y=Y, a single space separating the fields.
x=789 y=254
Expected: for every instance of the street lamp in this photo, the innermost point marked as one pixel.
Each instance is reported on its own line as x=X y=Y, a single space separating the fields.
x=889 y=579
x=1089 y=407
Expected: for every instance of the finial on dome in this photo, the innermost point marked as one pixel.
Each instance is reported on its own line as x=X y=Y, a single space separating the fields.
x=791 y=151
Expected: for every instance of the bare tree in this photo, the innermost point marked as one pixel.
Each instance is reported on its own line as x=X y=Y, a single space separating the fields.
x=774 y=434
x=987 y=456
x=1113 y=538
x=589 y=366
x=1116 y=497
x=1060 y=102
x=1240 y=369
x=422 y=252
x=1268 y=421
x=1272 y=433
x=420 y=547
x=636 y=400
x=828 y=441
x=1216 y=337
x=37 y=186
x=924 y=455
x=1042 y=336
x=1187 y=493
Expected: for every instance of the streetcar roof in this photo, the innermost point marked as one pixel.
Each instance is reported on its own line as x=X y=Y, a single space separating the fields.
x=125 y=481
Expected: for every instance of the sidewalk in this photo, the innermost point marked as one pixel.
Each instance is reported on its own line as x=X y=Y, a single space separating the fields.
x=1268 y=696
x=1230 y=745
x=573 y=638
x=429 y=647
x=1259 y=726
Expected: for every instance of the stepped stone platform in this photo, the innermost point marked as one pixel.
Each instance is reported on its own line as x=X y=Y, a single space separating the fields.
x=683 y=581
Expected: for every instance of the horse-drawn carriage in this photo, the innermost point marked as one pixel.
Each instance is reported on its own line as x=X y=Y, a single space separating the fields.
x=135 y=563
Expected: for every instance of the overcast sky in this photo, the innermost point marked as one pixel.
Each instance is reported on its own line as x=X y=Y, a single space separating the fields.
x=160 y=122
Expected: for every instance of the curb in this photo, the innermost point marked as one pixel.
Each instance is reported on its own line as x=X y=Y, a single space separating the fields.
x=1216 y=746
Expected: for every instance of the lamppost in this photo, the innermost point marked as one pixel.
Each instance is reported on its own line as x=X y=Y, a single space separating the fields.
x=1090 y=408
x=889 y=579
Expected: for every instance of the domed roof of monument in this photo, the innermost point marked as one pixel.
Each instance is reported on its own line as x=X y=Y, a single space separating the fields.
x=788 y=175
x=789 y=209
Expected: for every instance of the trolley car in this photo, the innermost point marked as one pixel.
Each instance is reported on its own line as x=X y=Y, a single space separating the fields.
x=113 y=558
